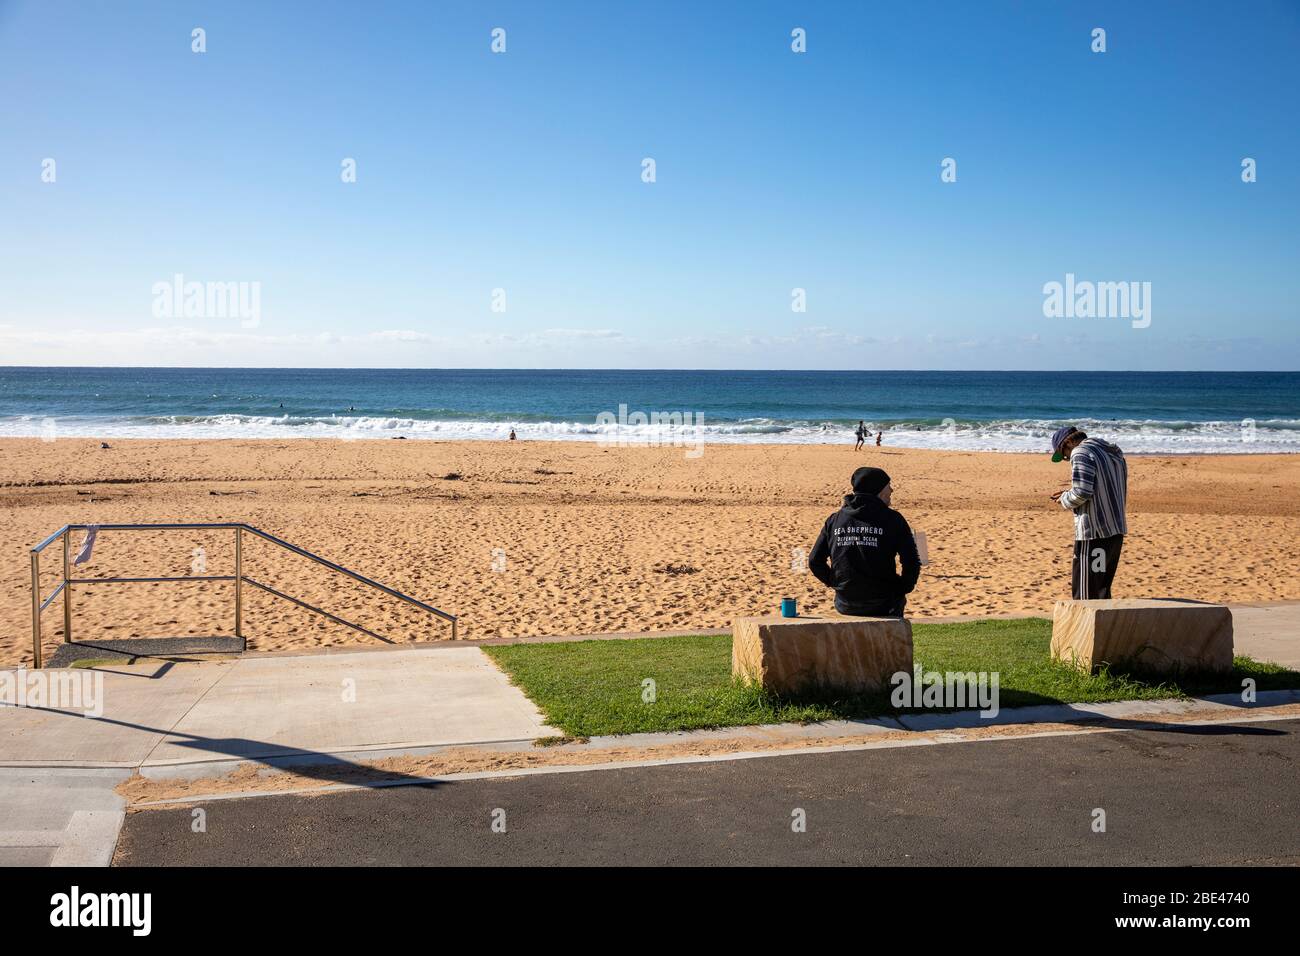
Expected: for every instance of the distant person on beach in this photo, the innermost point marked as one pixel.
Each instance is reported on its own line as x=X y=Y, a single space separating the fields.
x=861 y=434
x=513 y=436
x=856 y=550
x=1097 y=495
x=878 y=437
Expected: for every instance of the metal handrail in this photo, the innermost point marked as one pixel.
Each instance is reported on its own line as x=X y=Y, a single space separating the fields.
x=239 y=578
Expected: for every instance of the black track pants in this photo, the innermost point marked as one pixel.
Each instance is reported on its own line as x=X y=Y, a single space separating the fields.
x=1094 y=567
x=888 y=607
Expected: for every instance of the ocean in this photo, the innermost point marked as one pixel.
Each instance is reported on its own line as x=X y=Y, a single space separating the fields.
x=1143 y=412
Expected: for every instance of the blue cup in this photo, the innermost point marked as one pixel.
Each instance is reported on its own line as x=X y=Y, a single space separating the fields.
x=788 y=608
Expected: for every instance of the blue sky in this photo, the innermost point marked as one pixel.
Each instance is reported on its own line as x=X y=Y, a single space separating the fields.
x=775 y=170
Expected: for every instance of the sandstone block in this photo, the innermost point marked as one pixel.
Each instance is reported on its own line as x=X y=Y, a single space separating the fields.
x=1159 y=636
x=787 y=655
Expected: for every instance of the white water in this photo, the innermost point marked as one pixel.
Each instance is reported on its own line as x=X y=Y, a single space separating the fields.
x=1016 y=436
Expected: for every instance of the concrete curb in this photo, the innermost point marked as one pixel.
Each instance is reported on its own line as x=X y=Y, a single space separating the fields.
x=216 y=766
x=1114 y=710
x=1221 y=708
x=1238 y=718
x=90 y=839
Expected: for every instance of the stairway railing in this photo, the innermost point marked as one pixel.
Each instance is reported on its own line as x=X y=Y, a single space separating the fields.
x=239 y=578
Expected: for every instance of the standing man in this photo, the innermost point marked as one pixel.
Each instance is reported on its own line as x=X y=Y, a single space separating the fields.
x=855 y=551
x=1097 y=496
x=861 y=434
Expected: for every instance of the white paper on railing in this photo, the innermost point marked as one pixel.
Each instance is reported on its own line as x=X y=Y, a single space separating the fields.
x=922 y=548
x=87 y=545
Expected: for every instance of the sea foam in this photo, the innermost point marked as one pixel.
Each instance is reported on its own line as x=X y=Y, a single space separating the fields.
x=1146 y=436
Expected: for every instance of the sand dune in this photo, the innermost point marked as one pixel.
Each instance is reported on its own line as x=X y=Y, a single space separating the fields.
x=555 y=538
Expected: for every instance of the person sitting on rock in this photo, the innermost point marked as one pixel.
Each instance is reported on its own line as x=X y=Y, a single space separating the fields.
x=856 y=551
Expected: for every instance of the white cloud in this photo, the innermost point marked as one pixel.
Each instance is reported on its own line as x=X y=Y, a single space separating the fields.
x=585 y=333
x=402 y=335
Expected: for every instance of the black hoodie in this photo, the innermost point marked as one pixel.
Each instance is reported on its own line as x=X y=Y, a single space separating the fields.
x=860 y=542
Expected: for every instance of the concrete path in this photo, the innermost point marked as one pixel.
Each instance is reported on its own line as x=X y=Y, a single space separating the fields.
x=1268 y=632
x=177 y=716
x=348 y=702
x=167 y=714
x=59 y=817
x=141 y=704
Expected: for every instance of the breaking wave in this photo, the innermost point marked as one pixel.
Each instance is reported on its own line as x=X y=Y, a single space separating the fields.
x=1023 y=435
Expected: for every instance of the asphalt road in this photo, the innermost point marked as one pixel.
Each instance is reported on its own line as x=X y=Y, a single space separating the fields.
x=1225 y=795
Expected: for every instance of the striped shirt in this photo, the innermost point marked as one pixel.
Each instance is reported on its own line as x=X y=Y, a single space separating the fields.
x=1098 y=489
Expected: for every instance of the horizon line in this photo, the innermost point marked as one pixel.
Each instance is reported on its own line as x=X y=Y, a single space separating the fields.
x=485 y=368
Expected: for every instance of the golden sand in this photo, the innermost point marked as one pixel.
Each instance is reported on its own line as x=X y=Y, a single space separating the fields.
x=531 y=538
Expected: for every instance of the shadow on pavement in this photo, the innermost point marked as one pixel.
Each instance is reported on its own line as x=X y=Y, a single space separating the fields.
x=310 y=764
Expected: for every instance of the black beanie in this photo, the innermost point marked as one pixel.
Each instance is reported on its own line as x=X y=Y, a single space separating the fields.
x=869 y=481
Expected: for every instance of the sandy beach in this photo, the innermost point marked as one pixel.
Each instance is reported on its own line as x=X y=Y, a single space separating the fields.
x=533 y=538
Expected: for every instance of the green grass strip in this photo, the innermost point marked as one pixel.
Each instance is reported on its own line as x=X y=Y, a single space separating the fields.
x=590 y=688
